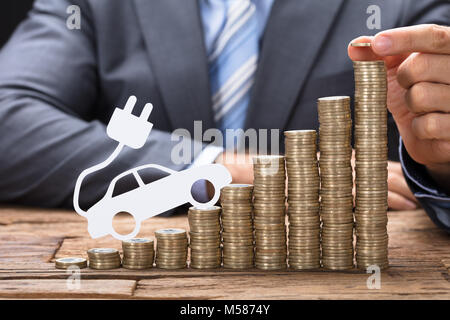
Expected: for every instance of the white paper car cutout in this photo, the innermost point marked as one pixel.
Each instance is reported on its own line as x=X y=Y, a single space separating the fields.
x=147 y=200
x=154 y=198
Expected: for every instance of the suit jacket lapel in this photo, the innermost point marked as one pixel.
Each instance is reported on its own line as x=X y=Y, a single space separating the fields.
x=294 y=34
x=174 y=38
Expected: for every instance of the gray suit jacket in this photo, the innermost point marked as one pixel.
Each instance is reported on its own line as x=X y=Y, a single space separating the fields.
x=59 y=87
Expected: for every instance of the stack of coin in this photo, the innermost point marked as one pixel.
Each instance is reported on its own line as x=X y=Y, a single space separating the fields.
x=237 y=223
x=336 y=208
x=171 y=248
x=64 y=263
x=371 y=164
x=204 y=225
x=303 y=199
x=270 y=212
x=138 y=253
x=104 y=258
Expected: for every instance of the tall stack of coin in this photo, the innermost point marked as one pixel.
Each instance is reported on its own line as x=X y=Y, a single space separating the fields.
x=371 y=164
x=270 y=212
x=104 y=258
x=237 y=223
x=138 y=253
x=336 y=209
x=303 y=199
x=204 y=225
x=171 y=248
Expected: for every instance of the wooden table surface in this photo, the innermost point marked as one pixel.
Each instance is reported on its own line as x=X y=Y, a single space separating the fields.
x=30 y=240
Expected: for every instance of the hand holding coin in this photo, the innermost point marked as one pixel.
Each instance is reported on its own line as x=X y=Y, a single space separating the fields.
x=418 y=62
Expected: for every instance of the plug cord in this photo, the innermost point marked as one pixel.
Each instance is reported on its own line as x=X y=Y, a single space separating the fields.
x=88 y=171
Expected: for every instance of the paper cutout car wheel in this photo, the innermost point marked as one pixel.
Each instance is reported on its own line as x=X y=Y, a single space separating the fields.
x=132 y=234
x=211 y=202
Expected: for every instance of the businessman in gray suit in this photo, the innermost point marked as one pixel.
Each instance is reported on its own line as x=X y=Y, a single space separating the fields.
x=231 y=64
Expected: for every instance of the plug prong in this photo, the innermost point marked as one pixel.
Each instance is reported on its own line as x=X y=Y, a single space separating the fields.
x=146 y=111
x=130 y=104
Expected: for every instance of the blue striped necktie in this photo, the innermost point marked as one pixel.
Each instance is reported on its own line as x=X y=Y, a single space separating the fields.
x=232 y=64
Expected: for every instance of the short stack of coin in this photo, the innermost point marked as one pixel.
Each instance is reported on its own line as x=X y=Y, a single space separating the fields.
x=237 y=223
x=104 y=258
x=336 y=208
x=171 y=248
x=270 y=212
x=371 y=164
x=204 y=234
x=303 y=199
x=69 y=262
x=138 y=253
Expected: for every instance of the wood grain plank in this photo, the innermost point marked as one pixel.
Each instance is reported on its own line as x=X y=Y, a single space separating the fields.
x=292 y=286
x=10 y=215
x=446 y=263
x=20 y=248
x=43 y=288
x=419 y=257
x=47 y=270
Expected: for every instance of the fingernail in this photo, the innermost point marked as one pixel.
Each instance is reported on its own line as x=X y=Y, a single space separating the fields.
x=410 y=205
x=382 y=44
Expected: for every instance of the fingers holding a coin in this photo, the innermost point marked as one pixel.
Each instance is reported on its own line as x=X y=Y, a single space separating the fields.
x=424 y=117
x=418 y=62
x=359 y=49
x=426 y=38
